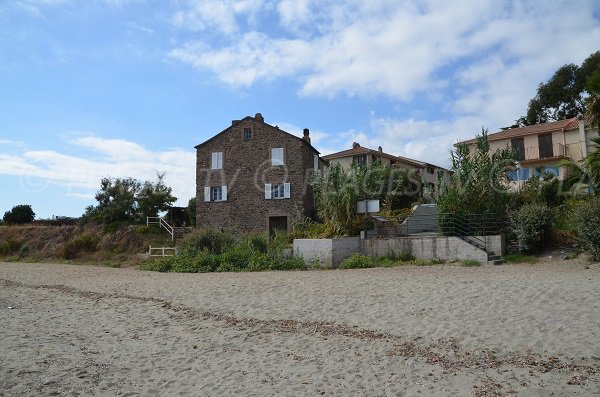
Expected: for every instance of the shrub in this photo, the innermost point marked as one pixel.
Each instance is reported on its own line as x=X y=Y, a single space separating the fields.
x=519 y=258
x=531 y=225
x=10 y=246
x=19 y=214
x=292 y=263
x=164 y=264
x=357 y=261
x=587 y=220
x=214 y=242
x=470 y=262
x=83 y=243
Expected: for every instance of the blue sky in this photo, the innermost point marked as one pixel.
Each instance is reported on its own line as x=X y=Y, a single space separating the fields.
x=95 y=88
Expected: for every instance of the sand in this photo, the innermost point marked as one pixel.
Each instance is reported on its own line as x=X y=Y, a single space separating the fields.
x=525 y=330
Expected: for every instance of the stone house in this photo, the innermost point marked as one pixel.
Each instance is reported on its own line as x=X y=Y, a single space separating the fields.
x=252 y=175
x=429 y=173
x=541 y=147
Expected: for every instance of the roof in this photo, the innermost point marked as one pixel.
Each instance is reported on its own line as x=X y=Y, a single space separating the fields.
x=358 y=150
x=561 y=125
x=257 y=121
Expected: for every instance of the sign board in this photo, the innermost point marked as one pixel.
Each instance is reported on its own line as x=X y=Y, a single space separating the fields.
x=368 y=206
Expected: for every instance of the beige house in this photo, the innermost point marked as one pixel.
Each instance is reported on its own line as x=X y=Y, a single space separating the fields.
x=361 y=155
x=543 y=146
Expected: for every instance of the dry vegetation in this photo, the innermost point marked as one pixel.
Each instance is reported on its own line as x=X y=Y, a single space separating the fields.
x=90 y=243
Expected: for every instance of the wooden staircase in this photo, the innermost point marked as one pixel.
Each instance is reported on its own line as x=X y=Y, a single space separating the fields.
x=174 y=232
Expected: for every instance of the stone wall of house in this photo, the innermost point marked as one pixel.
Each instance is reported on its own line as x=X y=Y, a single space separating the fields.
x=246 y=169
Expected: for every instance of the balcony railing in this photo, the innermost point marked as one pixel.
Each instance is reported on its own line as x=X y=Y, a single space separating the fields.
x=534 y=153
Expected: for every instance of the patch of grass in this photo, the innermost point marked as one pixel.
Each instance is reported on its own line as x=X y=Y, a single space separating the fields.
x=470 y=262
x=426 y=262
x=357 y=261
x=519 y=258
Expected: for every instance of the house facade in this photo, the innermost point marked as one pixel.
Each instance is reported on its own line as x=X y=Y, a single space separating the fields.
x=429 y=173
x=541 y=147
x=252 y=175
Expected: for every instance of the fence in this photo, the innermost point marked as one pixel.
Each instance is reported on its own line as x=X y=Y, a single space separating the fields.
x=162 y=251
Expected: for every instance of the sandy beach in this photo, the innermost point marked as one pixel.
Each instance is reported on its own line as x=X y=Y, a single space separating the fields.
x=525 y=330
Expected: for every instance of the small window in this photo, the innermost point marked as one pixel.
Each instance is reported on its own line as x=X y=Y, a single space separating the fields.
x=247 y=133
x=360 y=159
x=277 y=191
x=277 y=156
x=216 y=161
x=430 y=170
x=215 y=193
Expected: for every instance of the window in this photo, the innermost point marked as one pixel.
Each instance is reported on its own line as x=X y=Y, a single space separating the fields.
x=215 y=193
x=520 y=174
x=545 y=144
x=518 y=145
x=540 y=171
x=430 y=170
x=216 y=161
x=316 y=162
x=277 y=191
x=360 y=159
x=247 y=133
x=277 y=156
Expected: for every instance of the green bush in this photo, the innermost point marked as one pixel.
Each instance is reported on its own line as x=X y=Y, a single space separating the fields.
x=470 y=262
x=10 y=246
x=357 y=261
x=83 y=243
x=587 y=220
x=164 y=264
x=519 y=258
x=292 y=263
x=531 y=225
x=211 y=241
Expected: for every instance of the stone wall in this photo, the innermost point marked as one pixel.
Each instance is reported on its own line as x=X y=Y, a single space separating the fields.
x=246 y=169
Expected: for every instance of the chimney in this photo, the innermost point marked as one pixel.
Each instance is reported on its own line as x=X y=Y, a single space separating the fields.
x=380 y=149
x=259 y=117
x=306 y=136
x=355 y=145
x=582 y=140
x=234 y=122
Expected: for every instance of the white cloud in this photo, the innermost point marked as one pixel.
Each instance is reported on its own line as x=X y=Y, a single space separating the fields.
x=220 y=15
x=97 y=158
x=482 y=59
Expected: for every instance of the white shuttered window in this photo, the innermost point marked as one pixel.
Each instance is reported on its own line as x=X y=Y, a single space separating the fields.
x=267 y=191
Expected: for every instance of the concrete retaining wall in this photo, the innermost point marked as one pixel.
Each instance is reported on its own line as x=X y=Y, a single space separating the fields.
x=326 y=252
x=332 y=252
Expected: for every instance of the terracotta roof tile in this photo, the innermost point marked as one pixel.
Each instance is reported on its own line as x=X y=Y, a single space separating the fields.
x=363 y=150
x=567 y=124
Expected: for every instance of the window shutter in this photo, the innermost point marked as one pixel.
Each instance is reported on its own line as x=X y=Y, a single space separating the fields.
x=286 y=190
x=207 y=194
x=277 y=156
x=316 y=162
x=267 y=191
x=224 y=193
x=220 y=160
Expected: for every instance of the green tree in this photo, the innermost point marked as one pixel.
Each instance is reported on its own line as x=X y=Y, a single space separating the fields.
x=593 y=101
x=127 y=199
x=563 y=95
x=337 y=192
x=19 y=214
x=154 y=197
x=584 y=175
x=479 y=181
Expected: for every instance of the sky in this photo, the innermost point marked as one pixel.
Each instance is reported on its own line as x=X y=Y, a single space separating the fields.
x=127 y=88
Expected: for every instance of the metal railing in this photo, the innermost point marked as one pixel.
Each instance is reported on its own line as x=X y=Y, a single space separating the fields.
x=472 y=228
x=534 y=152
x=156 y=220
